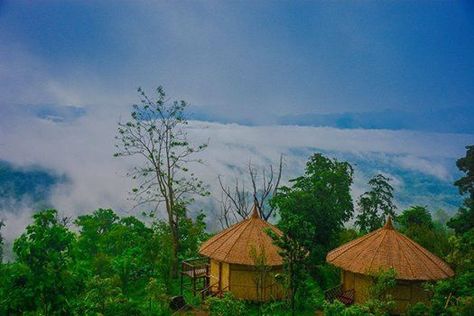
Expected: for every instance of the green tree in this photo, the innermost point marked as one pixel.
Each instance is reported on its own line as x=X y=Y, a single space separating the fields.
x=415 y=216
x=455 y=296
x=416 y=222
x=463 y=221
x=156 y=134
x=375 y=205
x=103 y=296
x=110 y=246
x=16 y=289
x=155 y=293
x=93 y=227
x=45 y=248
x=461 y=256
x=192 y=233
x=320 y=201
x=294 y=256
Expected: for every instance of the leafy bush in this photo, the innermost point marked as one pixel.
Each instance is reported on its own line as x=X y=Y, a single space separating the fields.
x=312 y=297
x=228 y=305
x=454 y=296
x=274 y=308
x=337 y=308
x=419 y=309
x=327 y=276
x=380 y=302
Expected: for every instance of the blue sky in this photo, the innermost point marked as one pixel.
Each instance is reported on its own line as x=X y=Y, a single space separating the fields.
x=256 y=63
x=387 y=86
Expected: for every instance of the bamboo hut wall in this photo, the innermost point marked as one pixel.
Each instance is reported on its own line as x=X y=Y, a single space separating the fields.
x=214 y=275
x=405 y=293
x=243 y=283
x=408 y=293
x=362 y=284
x=225 y=276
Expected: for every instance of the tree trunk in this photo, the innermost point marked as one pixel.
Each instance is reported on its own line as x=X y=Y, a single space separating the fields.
x=174 y=268
x=175 y=244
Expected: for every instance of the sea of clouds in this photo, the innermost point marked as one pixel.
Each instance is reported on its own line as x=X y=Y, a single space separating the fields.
x=82 y=150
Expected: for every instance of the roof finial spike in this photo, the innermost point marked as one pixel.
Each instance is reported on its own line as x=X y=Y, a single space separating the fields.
x=255 y=212
x=388 y=224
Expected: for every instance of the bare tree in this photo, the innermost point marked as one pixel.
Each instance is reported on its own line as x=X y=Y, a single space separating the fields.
x=156 y=134
x=238 y=199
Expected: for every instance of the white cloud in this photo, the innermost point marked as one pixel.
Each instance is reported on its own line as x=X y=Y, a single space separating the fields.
x=83 y=151
x=424 y=165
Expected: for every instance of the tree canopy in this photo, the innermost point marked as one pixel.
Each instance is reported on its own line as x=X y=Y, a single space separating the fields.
x=375 y=205
x=322 y=192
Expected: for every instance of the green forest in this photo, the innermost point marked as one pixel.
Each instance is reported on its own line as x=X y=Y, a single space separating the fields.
x=104 y=263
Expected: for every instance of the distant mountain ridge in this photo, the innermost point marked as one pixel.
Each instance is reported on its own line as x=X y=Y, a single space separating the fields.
x=458 y=120
x=32 y=185
x=455 y=120
x=51 y=112
x=447 y=120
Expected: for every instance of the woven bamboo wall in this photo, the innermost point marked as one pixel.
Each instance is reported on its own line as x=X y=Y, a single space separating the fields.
x=243 y=285
x=405 y=293
x=215 y=266
x=359 y=282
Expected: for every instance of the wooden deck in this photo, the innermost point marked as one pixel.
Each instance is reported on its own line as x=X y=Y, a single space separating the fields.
x=197 y=271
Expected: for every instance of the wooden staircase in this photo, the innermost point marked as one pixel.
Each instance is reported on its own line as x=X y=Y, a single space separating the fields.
x=337 y=293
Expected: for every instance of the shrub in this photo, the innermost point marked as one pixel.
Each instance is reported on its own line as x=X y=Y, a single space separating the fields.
x=313 y=297
x=336 y=308
x=274 y=308
x=228 y=305
x=419 y=309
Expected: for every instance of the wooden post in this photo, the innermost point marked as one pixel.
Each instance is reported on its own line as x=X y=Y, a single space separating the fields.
x=220 y=277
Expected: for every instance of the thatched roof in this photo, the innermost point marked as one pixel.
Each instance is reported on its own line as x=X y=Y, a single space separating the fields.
x=386 y=248
x=234 y=244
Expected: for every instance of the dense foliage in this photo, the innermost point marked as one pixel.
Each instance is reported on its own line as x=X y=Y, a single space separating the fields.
x=375 y=205
x=112 y=266
x=322 y=192
x=416 y=222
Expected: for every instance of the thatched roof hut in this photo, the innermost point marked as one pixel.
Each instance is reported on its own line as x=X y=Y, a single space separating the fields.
x=233 y=261
x=384 y=249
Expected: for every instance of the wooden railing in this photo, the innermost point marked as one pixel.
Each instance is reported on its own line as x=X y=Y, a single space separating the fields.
x=195 y=267
x=209 y=292
x=196 y=270
x=346 y=297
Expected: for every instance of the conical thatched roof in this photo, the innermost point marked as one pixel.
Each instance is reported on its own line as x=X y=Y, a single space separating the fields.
x=386 y=248
x=234 y=244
